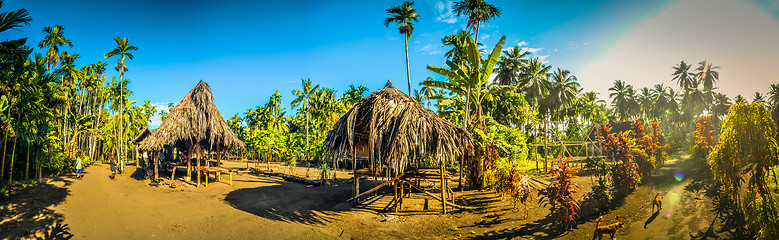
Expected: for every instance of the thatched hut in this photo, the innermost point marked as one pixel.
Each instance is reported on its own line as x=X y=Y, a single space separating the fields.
x=194 y=124
x=395 y=130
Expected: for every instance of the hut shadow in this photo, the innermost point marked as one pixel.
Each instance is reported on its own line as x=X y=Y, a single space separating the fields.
x=545 y=228
x=292 y=202
x=28 y=212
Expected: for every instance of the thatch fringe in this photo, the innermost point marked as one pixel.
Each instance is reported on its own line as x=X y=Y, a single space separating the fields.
x=394 y=129
x=194 y=119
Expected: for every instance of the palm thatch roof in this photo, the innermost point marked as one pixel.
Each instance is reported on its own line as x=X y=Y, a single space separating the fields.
x=393 y=128
x=141 y=136
x=194 y=119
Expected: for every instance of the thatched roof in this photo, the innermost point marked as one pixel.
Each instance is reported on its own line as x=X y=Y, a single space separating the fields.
x=196 y=119
x=143 y=135
x=393 y=128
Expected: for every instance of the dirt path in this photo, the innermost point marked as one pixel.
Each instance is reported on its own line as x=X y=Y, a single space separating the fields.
x=260 y=207
x=99 y=208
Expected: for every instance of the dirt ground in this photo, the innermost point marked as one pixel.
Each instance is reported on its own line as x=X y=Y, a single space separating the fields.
x=263 y=207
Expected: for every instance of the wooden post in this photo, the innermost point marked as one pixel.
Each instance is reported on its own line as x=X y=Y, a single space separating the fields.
x=395 y=198
x=356 y=185
x=231 y=178
x=443 y=189
x=206 y=173
x=156 y=166
x=136 y=156
x=189 y=160
x=546 y=153
x=400 y=202
x=199 y=155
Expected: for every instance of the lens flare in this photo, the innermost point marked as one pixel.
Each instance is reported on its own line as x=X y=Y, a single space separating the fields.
x=668 y=214
x=678 y=176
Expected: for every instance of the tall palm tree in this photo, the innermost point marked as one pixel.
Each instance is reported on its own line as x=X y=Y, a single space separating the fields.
x=404 y=16
x=54 y=39
x=458 y=42
x=304 y=97
x=758 y=97
x=428 y=92
x=682 y=75
x=13 y=19
x=646 y=101
x=533 y=80
x=707 y=74
x=623 y=98
x=563 y=90
x=510 y=65
x=773 y=95
x=122 y=50
x=478 y=11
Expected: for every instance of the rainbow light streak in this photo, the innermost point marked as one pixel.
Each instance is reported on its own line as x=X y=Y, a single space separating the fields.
x=678 y=176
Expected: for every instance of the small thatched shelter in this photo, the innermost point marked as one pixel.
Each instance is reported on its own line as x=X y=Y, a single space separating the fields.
x=394 y=129
x=193 y=124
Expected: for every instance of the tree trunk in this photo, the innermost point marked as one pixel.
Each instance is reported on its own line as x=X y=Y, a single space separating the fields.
x=465 y=127
x=478 y=25
x=408 y=72
x=11 y=167
x=27 y=167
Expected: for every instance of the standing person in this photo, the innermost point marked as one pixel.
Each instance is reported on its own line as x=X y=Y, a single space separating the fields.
x=112 y=162
x=79 y=166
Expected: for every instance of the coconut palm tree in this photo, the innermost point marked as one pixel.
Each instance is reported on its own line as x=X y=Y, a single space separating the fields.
x=682 y=75
x=773 y=95
x=122 y=50
x=533 y=80
x=428 y=92
x=404 y=16
x=623 y=99
x=458 y=42
x=54 y=39
x=646 y=101
x=13 y=19
x=758 y=97
x=707 y=74
x=304 y=97
x=478 y=11
x=563 y=90
x=510 y=65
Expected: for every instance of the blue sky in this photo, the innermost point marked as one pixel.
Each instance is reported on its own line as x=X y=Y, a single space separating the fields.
x=246 y=50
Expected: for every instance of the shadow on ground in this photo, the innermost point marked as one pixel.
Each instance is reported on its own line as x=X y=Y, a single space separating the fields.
x=27 y=213
x=292 y=202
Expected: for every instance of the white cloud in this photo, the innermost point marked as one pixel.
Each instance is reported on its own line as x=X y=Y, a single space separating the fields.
x=543 y=58
x=430 y=49
x=736 y=35
x=522 y=43
x=484 y=37
x=533 y=50
x=444 y=12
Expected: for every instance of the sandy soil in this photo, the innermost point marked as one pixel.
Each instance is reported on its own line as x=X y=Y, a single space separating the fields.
x=262 y=207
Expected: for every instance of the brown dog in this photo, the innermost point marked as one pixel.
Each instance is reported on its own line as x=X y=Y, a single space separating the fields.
x=608 y=229
x=657 y=202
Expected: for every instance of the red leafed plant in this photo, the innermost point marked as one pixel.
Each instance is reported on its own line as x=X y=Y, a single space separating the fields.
x=559 y=195
x=508 y=182
x=705 y=138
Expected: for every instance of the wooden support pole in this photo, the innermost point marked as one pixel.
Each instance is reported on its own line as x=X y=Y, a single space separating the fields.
x=443 y=189
x=156 y=166
x=377 y=187
x=400 y=202
x=395 y=198
x=200 y=156
x=206 y=173
x=434 y=196
x=356 y=181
